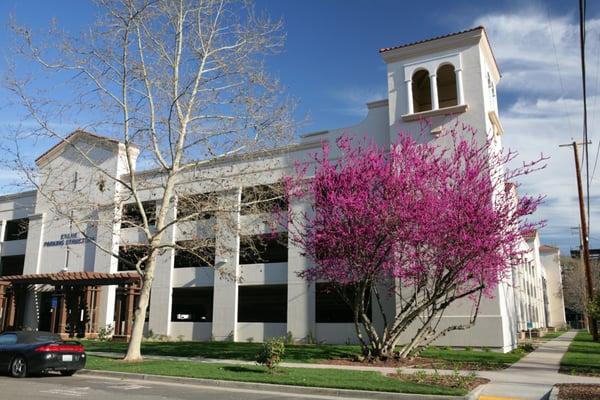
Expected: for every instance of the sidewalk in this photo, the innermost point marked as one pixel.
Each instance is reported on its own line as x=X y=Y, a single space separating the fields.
x=534 y=375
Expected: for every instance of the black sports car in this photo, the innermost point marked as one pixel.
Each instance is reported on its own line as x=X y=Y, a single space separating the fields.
x=23 y=353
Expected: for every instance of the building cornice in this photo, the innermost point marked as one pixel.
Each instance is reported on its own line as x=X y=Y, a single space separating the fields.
x=237 y=158
x=18 y=195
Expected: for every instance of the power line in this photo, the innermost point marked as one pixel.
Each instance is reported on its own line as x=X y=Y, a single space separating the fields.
x=585 y=130
x=556 y=62
x=594 y=119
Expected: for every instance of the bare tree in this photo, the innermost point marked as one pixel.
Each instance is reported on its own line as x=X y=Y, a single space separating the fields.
x=573 y=283
x=182 y=85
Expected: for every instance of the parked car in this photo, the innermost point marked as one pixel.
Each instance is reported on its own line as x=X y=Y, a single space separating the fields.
x=24 y=353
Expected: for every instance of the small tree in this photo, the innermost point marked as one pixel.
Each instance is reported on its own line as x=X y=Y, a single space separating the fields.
x=430 y=225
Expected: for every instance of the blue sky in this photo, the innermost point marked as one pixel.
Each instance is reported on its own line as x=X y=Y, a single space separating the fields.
x=332 y=66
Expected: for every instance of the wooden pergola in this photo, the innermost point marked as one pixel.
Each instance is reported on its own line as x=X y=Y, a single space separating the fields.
x=74 y=301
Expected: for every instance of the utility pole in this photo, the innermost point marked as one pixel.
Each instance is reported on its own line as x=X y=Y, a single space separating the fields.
x=585 y=254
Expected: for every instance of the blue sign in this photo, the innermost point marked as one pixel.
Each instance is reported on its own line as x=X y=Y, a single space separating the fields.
x=530 y=325
x=54 y=302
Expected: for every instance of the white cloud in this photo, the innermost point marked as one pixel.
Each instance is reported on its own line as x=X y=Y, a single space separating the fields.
x=352 y=99
x=539 y=59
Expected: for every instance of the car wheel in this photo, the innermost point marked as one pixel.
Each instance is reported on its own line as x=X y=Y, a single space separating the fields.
x=18 y=367
x=68 y=372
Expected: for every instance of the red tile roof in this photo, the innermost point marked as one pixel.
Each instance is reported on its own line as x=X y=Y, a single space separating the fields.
x=430 y=39
x=548 y=249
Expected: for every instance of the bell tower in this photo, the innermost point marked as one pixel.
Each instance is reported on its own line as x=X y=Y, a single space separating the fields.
x=436 y=82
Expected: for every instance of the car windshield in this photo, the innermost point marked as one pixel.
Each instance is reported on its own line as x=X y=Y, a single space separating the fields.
x=38 y=337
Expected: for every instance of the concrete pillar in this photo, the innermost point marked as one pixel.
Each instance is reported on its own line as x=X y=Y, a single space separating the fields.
x=2 y=229
x=107 y=236
x=33 y=252
x=409 y=97
x=225 y=295
x=160 y=298
x=460 y=92
x=434 y=93
x=301 y=294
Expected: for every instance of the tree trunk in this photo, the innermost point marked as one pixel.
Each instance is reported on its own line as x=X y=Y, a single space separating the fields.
x=134 y=353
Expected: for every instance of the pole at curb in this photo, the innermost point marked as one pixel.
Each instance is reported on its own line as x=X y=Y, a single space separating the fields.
x=585 y=253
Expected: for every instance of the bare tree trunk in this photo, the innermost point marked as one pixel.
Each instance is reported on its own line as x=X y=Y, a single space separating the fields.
x=134 y=353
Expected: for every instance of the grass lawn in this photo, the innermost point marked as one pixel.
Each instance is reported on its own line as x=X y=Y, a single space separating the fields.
x=485 y=358
x=339 y=379
x=229 y=350
x=300 y=353
x=583 y=356
x=551 y=335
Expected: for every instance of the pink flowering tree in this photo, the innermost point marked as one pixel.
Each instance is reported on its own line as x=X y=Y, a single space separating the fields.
x=409 y=231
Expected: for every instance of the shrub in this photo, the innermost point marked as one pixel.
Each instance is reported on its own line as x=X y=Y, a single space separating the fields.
x=526 y=347
x=271 y=353
x=105 y=333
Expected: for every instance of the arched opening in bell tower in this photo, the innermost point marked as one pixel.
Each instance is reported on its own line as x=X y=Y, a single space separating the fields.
x=421 y=90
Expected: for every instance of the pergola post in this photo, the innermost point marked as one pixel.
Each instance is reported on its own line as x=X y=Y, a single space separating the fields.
x=118 y=314
x=11 y=309
x=2 y=306
x=94 y=309
x=129 y=308
x=87 y=295
x=62 y=311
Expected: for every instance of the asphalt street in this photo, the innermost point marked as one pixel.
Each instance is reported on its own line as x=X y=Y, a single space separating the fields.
x=53 y=387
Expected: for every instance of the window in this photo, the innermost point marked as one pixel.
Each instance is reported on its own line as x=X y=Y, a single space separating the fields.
x=192 y=304
x=16 y=229
x=8 y=339
x=12 y=265
x=129 y=256
x=264 y=249
x=446 y=86
x=263 y=199
x=195 y=254
x=262 y=303
x=421 y=91
x=132 y=216
x=331 y=307
x=202 y=204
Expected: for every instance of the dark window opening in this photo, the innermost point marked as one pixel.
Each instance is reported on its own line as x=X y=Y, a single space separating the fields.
x=421 y=91
x=192 y=304
x=195 y=254
x=331 y=307
x=264 y=249
x=197 y=206
x=12 y=265
x=133 y=217
x=16 y=229
x=446 y=86
x=262 y=303
x=129 y=256
x=263 y=199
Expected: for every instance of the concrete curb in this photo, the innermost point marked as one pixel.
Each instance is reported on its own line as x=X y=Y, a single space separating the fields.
x=553 y=395
x=269 y=387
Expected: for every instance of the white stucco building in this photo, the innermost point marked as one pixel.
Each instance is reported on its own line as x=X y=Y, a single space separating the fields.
x=61 y=282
